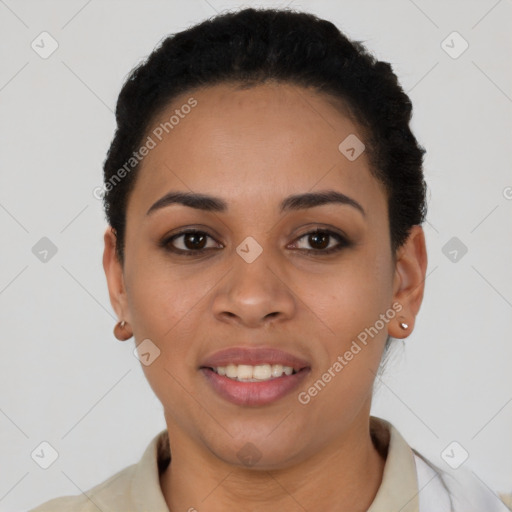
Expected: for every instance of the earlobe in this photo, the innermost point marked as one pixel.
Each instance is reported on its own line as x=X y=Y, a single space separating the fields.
x=409 y=281
x=114 y=274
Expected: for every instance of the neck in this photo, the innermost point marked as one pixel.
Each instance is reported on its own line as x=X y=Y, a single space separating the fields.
x=344 y=476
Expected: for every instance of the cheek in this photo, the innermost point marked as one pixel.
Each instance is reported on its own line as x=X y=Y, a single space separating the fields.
x=352 y=310
x=351 y=306
x=352 y=296
x=163 y=306
x=159 y=295
x=164 y=310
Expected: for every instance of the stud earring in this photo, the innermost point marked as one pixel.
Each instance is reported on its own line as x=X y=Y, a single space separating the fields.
x=404 y=326
x=120 y=331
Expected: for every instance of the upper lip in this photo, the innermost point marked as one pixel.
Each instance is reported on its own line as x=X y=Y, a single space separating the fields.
x=253 y=357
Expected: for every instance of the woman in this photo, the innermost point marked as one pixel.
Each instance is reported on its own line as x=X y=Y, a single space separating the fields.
x=265 y=197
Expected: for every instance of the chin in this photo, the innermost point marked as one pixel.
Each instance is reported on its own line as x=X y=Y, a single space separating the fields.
x=259 y=450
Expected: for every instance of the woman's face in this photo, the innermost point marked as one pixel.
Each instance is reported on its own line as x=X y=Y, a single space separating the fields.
x=255 y=281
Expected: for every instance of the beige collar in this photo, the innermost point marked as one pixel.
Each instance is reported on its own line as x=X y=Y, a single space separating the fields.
x=398 y=491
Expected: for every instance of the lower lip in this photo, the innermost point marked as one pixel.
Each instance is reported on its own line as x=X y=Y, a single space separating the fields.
x=253 y=393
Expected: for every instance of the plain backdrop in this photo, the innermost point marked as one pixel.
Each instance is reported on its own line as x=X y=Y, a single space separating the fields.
x=67 y=381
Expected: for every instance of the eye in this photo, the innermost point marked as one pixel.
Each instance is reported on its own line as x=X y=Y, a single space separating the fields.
x=193 y=242
x=320 y=240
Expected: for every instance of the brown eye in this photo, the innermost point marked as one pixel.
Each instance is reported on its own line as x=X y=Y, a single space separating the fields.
x=321 y=242
x=191 y=242
x=194 y=241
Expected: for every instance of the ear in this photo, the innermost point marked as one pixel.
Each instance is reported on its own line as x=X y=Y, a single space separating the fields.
x=114 y=274
x=409 y=281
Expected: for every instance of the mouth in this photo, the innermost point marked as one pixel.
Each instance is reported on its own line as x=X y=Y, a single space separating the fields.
x=253 y=377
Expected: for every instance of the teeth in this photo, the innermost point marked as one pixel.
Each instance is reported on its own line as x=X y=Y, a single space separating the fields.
x=248 y=373
x=261 y=372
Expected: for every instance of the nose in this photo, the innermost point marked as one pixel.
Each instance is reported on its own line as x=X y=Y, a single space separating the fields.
x=254 y=294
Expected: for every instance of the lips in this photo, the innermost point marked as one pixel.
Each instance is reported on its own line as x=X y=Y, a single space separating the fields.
x=249 y=392
x=254 y=357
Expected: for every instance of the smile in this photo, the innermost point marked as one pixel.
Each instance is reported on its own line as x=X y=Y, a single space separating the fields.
x=257 y=373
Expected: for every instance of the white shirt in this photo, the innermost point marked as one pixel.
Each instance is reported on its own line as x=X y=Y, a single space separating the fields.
x=447 y=491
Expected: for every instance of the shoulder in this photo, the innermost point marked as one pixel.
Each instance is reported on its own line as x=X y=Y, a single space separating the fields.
x=106 y=496
x=125 y=490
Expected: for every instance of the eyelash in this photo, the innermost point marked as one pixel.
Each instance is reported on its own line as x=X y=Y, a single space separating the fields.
x=342 y=242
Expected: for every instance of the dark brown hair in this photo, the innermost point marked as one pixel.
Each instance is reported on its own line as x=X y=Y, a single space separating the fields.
x=249 y=47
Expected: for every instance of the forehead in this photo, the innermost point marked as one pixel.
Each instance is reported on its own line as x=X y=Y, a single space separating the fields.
x=252 y=144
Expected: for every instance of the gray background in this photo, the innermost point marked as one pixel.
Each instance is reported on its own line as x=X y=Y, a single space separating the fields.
x=64 y=377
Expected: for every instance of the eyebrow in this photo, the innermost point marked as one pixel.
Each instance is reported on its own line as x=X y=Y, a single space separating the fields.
x=293 y=202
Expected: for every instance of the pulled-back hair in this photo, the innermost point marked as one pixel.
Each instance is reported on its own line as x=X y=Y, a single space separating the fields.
x=250 y=47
